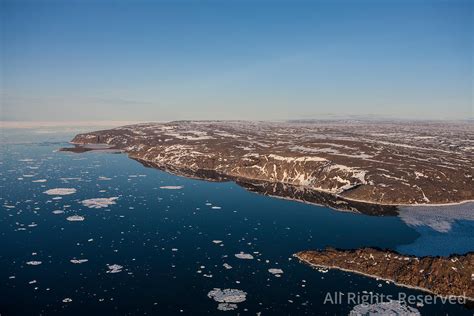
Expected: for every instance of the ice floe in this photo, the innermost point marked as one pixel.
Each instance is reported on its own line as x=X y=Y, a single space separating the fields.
x=34 y=263
x=276 y=272
x=60 y=191
x=384 y=308
x=243 y=255
x=227 y=298
x=226 y=307
x=99 y=202
x=75 y=218
x=78 y=261
x=171 y=187
x=114 y=268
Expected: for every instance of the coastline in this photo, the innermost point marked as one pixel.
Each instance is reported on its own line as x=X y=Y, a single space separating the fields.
x=224 y=177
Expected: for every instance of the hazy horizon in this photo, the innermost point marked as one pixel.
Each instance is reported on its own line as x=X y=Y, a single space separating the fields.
x=164 y=61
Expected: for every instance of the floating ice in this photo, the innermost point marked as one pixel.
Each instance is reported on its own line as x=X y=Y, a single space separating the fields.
x=323 y=270
x=39 y=181
x=384 y=308
x=67 y=300
x=34 y=263
x=439 y=218
x=227 y=295
x=227 y=266
x=60 y=191
x=217 y=241
x=75 y=218
x=172 y=187
x=226 y=307
x=57 y=212
x=99 y=202
x=242 y=255
x=78 y=261
x=275 y=272
x=216 y=207
x=114 y=268
x=227 y=298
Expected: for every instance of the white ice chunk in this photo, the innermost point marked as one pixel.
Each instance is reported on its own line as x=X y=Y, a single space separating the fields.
x=60 y=191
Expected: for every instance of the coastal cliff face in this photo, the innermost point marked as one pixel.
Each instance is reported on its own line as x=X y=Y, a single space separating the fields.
x=383 y=163
x=445 y=276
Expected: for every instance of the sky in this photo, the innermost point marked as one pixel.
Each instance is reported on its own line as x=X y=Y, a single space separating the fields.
x=235 y=59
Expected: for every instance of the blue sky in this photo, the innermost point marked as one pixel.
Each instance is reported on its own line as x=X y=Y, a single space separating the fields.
x=166 y=60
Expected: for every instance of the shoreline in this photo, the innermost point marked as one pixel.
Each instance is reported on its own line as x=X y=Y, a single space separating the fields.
x=335 y=195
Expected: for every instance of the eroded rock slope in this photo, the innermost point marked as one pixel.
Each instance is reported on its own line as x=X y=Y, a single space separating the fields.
x=377 y=162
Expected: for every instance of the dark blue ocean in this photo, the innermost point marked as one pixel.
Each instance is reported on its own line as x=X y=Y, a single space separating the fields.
x=171 y=239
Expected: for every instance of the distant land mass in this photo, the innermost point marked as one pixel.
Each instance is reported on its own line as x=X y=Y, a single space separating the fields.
x=364 y=166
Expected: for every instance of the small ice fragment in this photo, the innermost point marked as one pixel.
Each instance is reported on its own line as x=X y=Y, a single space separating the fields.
x=75 y=218
x=34 y=263
x=171 y=187
x=60 y=191
x=99 y=202
x=242 y=255
x=226 y=307
x=275 y=272
x=114 y=268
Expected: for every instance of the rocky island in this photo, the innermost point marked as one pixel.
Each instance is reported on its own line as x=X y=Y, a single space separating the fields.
x=352 y=165
x=443 y=276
